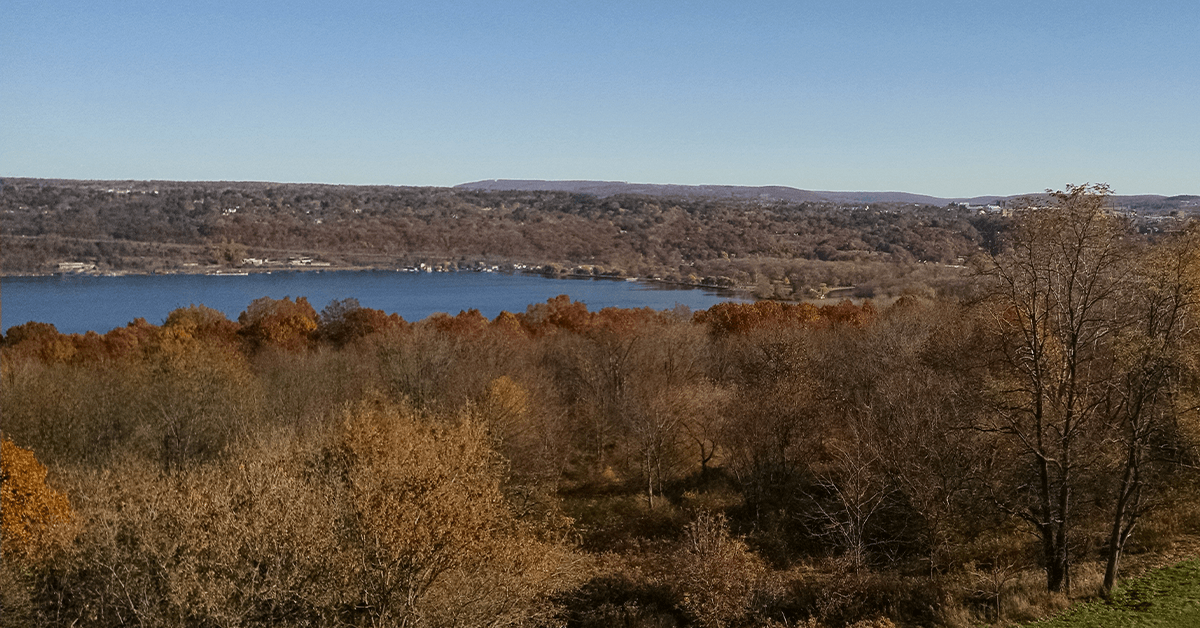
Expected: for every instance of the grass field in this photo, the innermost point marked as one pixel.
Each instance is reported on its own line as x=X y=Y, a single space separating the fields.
x=1166 y=598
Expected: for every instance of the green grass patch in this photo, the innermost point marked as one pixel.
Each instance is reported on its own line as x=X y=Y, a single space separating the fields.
x=1167 y=597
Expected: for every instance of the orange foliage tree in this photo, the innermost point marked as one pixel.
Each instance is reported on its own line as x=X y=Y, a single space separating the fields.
x=345 y=321
x=279 y=323
x=733 y=318
x=27 y=505
x=38 y=340
x=466 y=324
x=736 y=318
x=203 y=323
x=560 y=312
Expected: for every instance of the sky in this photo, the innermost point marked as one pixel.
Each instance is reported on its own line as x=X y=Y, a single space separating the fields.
x=948 y=98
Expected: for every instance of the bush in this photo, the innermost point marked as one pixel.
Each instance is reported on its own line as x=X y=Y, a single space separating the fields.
x=389 y=519
x=28 y=507
x=716 y=575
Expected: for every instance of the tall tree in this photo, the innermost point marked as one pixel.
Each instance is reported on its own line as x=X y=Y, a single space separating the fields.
x=1154 y=356
x=1057 y=291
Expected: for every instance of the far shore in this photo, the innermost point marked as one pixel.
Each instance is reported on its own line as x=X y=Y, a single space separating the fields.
x=526 y=269
x=548 y=270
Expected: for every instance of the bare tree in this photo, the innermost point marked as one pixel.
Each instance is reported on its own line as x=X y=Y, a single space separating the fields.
x=1152 y=360
x=1057 y=292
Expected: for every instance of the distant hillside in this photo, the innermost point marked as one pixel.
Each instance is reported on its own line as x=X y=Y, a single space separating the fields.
x=775 y=241
x=1148 y=203
x=613 y=188
x=722 y=236
x=768 y=192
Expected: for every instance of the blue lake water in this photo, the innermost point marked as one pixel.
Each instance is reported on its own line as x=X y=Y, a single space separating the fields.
x=78 y=303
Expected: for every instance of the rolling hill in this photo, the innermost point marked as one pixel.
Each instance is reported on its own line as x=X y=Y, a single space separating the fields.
x=1146 y=203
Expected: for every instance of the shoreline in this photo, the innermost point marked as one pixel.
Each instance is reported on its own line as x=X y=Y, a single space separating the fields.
x=522 y=269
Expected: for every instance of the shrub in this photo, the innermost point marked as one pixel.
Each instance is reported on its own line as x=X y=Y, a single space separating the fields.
x=716 y=575
x=389 y=519
x=28 y=506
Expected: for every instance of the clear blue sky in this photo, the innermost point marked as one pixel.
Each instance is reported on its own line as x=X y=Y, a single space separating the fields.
x=950 y=98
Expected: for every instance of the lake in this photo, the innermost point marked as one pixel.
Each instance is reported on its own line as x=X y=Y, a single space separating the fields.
x=78 y=303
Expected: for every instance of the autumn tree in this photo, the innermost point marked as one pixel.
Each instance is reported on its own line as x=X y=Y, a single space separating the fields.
x=40 y=340
x=430 y=524
x=897 y=455
x=387 y=518
x=28 y=506
x=716 y=574
x=666 y=397
x=521 y=417
x=1154 y=360
x=344 y=321
x=1082 y=335
x=444 y=360
x=198 y=396
x=281 y=323
x=203 y=323
x=33 y=516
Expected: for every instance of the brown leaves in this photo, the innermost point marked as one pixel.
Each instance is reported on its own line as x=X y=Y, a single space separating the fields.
x=390 y=518
x=281 y=323
x=716 y=574
x=736 y=318
x=346 y=321
x=28 y=507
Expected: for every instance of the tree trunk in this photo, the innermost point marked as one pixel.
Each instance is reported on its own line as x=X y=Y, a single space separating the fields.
x=1120 y=530
x=1110 y=570
x=1056 y=567
x=649 y=480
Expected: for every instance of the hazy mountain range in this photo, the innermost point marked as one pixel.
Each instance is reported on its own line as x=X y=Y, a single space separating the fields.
x=784 y=193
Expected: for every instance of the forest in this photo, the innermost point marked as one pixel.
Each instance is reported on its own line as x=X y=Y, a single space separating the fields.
x=777 y=249
x=945 y=460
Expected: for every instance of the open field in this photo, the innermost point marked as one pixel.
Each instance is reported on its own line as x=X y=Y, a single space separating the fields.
x=1165 y=598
